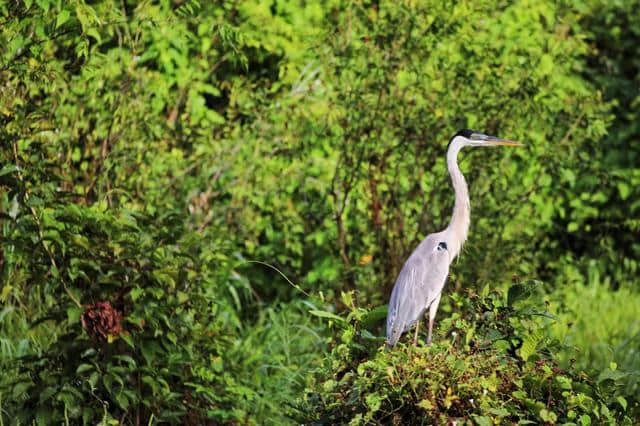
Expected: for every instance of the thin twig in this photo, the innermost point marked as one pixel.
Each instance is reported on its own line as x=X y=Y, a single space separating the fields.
x=296 y=286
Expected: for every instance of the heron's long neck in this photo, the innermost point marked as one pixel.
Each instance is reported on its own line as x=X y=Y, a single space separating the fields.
x=459 y=226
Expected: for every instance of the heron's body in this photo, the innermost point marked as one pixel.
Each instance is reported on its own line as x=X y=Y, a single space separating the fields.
x=422 y=278
x=418 y=285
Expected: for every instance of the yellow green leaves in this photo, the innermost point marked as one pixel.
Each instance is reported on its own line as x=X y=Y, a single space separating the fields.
x=455 y=378
x=62 y=18
x=530 y=344
x=545 y=65
x=426 y=405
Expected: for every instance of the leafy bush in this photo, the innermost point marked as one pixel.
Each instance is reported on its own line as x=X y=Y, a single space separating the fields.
x=350 y=165
x=148 y=302
x=492 y=363
x=119 y=290
x=602 y=222
x=171 y=348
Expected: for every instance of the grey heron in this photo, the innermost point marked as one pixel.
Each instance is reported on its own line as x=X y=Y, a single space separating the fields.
x=422 y=278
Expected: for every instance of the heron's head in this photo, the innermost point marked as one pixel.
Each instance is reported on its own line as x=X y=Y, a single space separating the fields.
x=474 y=138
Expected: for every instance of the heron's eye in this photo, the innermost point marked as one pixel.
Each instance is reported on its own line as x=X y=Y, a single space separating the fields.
x=442 y=246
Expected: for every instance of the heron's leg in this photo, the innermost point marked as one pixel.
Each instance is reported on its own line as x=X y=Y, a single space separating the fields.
x=415 y=337
x=432 y=316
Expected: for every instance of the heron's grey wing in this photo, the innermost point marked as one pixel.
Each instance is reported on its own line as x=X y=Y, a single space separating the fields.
x=419 y=282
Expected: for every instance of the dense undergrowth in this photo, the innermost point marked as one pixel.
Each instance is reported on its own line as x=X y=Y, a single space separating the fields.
x=493 y=363
x=204 y=205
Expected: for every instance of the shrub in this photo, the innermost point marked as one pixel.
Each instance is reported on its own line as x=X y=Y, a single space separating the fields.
x=135 y=305
x=350 y=165
x=602 y=219
x=492 y=363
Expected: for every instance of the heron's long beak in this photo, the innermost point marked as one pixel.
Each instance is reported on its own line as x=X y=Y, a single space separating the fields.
x=504 y=142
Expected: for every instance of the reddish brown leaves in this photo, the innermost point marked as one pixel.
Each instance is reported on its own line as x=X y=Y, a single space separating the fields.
x=101 y=320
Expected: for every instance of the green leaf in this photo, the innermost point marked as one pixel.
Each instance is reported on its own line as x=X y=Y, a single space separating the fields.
x=83 y=368
x=43 y=416
x=126 y=336
x=93 y=378
x=8 y=168
x=500 y=412
x=374 y=316
x=426 y=405
x=614 y=375
x=482 y=420
x=373 y=401
x=81 y=14
x=44 y=5
x=87 y=353
x=516 y=293
x=182 y=297
x=325 y=314
x=92 y=32
x=46 y=394
x=546 y=64
x=122 y=400
x=62 y=17
x=622 y=402
x=585 y=420
x=548 y=416
x=136 y=293
x=73 y=314
x=20 y=389
x=530 y=344
x=624 y=190
x=127 y=359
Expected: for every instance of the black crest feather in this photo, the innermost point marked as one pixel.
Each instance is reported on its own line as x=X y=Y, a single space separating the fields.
x=466 y=133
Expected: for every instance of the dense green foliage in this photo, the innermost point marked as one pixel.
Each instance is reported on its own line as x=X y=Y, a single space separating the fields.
x=495 y=365
x=204 y=206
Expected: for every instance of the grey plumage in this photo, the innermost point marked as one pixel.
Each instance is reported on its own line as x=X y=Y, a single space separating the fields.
x=423 y=276
x=421 y=280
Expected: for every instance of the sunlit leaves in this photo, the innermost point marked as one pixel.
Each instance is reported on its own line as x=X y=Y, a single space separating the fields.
x=453 y=380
